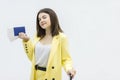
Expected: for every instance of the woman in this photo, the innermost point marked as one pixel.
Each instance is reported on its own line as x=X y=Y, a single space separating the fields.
x=48 y=51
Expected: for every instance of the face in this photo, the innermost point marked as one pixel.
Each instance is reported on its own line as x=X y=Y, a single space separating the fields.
x=44 y=20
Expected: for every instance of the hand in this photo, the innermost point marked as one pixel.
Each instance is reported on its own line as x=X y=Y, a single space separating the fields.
x=23 y=36
x=71 y=72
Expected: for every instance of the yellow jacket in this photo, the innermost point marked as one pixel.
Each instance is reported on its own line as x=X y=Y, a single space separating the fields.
x=59 y=56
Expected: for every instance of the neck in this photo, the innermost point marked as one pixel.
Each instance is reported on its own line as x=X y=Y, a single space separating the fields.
x=48 y=32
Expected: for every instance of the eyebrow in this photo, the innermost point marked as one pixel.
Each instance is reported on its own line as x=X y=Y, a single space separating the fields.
x=42 y=16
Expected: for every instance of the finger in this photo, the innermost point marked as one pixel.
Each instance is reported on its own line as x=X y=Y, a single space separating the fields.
x=73 y=74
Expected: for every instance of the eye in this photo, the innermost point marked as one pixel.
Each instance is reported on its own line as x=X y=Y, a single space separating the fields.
x=44 y=17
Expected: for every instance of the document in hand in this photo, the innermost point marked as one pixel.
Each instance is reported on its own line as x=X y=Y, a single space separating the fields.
x=17 y=30
x=13 y=32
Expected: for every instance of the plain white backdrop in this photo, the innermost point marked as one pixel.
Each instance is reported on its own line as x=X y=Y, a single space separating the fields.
x=92 y=27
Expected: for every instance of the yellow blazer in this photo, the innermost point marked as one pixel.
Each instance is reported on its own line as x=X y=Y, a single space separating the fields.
x=59 y=56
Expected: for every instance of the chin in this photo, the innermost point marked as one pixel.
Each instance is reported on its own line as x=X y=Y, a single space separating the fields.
x=43 y=27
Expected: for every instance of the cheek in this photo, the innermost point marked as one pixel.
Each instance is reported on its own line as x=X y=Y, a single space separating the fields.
x=39 y=23
x=49 y=22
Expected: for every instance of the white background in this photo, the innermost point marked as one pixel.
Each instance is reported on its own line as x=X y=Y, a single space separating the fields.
x=92 y=27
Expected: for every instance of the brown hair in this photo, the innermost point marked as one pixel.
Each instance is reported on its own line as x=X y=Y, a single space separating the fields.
x=55 y=27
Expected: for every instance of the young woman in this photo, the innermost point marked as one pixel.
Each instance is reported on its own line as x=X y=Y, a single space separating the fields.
x=48 y=50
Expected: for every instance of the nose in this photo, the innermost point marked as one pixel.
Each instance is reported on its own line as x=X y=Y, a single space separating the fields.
x=42 y=20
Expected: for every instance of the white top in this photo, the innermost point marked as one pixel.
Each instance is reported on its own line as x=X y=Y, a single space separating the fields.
x=42 y=54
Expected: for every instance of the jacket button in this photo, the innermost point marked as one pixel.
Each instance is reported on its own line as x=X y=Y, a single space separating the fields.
x=52 y=67
x=45 y=79
x=53 y=78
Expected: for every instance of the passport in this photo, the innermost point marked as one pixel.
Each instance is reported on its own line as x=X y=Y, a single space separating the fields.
x=17 y=30
x=13 y=32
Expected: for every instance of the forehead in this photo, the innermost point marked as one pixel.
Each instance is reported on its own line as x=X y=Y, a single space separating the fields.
x=43 y=14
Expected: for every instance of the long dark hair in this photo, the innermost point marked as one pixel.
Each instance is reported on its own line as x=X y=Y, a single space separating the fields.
x=55 y=27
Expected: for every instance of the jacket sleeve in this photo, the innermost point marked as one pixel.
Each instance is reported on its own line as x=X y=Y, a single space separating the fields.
x=28 y=47
x=65 y=55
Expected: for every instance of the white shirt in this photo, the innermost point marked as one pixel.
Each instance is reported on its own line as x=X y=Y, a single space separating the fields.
x=42 y=54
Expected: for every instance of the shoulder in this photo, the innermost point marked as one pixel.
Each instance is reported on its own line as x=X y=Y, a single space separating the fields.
x=62 y=35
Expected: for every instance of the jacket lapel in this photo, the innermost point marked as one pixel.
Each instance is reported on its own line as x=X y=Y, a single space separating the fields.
x=54 y=45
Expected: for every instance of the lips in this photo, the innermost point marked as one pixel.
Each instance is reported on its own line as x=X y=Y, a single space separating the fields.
x=42 y=24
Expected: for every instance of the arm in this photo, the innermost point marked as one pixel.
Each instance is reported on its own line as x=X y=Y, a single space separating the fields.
x=27 y=44
x=28 y=47
x=66 y=58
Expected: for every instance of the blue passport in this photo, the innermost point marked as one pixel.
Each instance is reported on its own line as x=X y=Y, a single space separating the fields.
x=17 y=30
